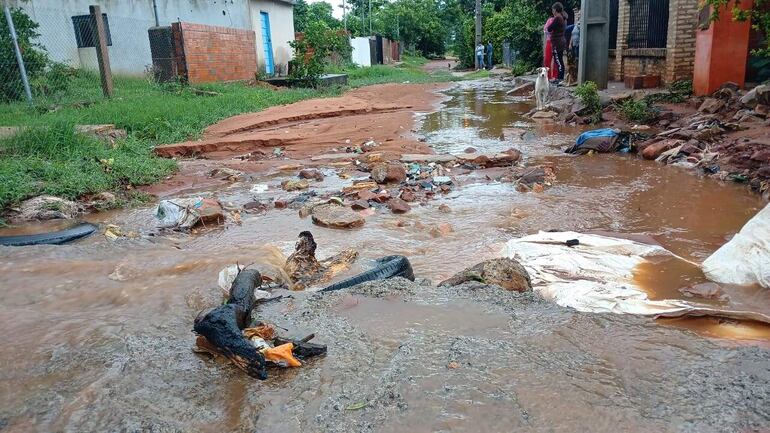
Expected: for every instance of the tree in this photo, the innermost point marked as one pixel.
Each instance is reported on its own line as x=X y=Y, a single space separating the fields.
x=35 y=57
x=305 y=13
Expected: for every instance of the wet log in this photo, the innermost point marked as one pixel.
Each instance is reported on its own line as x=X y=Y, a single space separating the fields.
x=222 y=326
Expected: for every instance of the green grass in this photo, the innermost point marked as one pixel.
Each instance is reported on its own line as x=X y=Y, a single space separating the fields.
x=49 y=158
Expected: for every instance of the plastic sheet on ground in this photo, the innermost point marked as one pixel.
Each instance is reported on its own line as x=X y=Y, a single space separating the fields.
x=745 y=259
x=179 y=213
x=596 y=275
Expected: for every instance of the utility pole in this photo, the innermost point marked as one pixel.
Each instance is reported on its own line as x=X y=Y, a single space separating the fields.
x=370 y=17
x=478 y=33
x=345 y=15
x=19 y=59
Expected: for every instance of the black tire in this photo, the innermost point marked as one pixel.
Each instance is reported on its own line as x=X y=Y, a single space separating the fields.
x=51 y=238
x=387 y=267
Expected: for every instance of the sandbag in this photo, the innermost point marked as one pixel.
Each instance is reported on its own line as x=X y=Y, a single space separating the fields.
x=745 y=260
x=603 y=140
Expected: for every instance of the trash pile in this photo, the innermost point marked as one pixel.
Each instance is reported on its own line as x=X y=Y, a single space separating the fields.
x=185 y=213
x=229 y=331
x=708 y=140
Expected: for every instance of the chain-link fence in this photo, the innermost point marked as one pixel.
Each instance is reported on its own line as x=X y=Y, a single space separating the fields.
x=55 y=51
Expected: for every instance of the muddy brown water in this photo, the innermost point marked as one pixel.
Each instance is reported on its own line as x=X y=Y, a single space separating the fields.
x=96 y=334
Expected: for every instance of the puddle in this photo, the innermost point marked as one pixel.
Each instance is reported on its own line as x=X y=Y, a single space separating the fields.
x=98 y=333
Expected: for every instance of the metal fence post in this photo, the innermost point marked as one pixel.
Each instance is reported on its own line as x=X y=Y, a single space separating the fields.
x=102 y=54
x=19 y=59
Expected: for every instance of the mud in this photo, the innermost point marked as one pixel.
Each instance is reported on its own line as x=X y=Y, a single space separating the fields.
x=97 y=334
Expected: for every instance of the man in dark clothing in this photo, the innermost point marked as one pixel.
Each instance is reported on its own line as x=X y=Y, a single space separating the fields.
x=558 y=41
x=489 y=55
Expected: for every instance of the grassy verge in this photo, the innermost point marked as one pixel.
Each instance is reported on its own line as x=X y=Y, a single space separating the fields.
x=49 y=158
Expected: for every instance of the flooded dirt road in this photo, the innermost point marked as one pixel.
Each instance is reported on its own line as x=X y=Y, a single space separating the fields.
x=97 y=334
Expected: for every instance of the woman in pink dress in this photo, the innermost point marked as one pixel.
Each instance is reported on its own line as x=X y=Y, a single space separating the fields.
x=548 y=51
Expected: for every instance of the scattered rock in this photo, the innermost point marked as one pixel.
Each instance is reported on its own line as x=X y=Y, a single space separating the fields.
x=104 y=198
x=225 y=173
x=470 y=150
x=408 y=196
x=441 y=230
x=712 y=105
x=311 y=173
x=706 y=291
x=46 y=207
x=334 y=216
x=281 y=203
x=504 y=272
x=211 y=212
x=366 y=195
x=382 y=197
x=525 y=89
x=389 y=173
x=294 y=184
x=358 y=187
x=397 y=206
x=756 y=96
x=444 y=208
x=544 y=115
x=654 y=150
x=255 y=207
x=762 y=110
x=360 y=204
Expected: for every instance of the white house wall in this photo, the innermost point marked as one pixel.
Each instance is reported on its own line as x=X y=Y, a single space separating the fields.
x=361 y=51
x=129 y=21
x=281 y=29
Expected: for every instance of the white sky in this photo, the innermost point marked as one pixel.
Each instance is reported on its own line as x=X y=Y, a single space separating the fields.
x=336 y=4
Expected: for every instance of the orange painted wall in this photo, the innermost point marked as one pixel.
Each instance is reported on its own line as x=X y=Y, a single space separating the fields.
x=721 y=52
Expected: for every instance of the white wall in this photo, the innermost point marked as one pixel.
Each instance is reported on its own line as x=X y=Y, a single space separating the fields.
x=281 y=30
x=129 y=21
x=361 y=51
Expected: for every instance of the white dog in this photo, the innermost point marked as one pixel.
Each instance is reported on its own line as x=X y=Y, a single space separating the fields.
x=542 y=87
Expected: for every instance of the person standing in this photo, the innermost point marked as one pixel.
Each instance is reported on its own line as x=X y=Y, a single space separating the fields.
x=548 y=50
x=480 y=55
x=558 y=42
x=489 y=55
x=574 y=40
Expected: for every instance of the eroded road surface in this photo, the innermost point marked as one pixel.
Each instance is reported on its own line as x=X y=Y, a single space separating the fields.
x=97 y=334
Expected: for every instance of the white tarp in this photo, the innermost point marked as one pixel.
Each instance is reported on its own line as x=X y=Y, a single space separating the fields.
x=361 y=51
x=745 y=259
x=594 y=276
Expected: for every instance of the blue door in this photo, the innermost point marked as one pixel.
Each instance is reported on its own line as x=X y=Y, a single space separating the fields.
x=267 y=43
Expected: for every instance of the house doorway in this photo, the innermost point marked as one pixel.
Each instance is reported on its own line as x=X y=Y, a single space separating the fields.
x=267 y=43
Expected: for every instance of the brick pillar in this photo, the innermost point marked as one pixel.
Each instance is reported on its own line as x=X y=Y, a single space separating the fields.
x=680 y=48
x=624 y=13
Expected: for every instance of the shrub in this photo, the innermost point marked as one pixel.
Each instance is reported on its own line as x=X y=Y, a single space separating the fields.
x=638 y=111
x=55 y=80
x=589 y=96
x=35 y=57
x=315 y=50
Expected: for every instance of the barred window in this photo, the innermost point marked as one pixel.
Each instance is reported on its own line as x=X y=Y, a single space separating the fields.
x=648 y=24
x=85 y=30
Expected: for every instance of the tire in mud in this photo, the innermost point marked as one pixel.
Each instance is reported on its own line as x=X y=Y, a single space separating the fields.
x=50 y=238
x=387 y=267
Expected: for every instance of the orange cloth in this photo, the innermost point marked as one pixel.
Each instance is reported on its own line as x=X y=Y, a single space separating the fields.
x=282 y=355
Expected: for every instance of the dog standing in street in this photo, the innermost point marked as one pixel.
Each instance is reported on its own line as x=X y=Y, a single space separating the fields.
x=542 y=87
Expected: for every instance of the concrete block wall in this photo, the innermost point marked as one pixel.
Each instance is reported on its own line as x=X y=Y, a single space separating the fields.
x=680 y=47
x=211 y=53
x=673 y=63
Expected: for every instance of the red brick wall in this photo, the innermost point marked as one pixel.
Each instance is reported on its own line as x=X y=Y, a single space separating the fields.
x=210 y=53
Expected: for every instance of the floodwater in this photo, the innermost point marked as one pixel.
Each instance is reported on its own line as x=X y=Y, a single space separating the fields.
x=96 y=334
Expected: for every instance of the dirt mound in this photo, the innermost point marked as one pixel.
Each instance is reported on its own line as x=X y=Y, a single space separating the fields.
x=383 y=113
